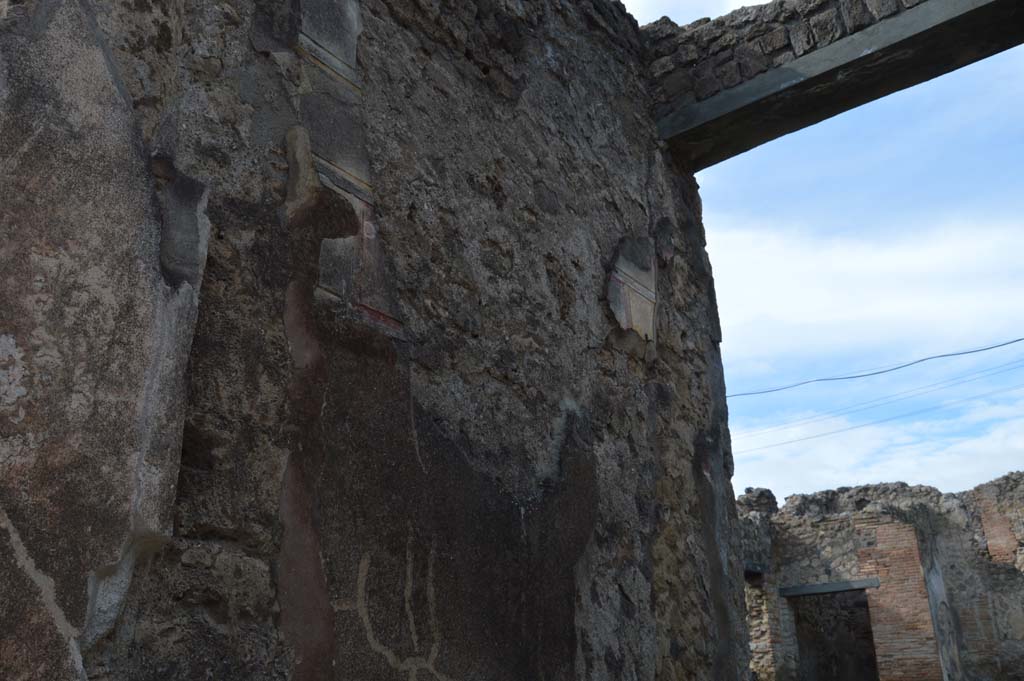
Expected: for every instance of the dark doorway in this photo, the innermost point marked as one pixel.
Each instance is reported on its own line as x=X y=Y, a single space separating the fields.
x=834 y=637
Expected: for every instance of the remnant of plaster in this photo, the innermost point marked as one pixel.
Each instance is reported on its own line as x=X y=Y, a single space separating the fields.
x=302 y=341
x=47 y=592
x=12 y=371
x=414 y=663
x=632 y=287
x=303 y=186
x=303 y=181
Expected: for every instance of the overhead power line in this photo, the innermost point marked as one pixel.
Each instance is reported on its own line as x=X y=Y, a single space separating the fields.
x=892 y=398
x=926 y=410
x=879 y=372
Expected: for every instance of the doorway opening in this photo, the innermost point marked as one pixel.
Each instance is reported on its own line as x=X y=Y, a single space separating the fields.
x=835 y=641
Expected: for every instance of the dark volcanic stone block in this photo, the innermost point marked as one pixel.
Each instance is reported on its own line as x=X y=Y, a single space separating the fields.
x=801 y=38
x=827 y=27
x=855 y=14
x=776 y=40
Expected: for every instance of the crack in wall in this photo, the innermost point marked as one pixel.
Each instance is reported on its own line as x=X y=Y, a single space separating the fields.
x=412 y=664
x=47 y=591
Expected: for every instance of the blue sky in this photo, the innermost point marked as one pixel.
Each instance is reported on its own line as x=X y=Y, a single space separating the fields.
x=888 y=233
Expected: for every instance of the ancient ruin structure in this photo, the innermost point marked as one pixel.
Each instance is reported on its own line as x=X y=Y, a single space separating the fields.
x=376 y=339
x=886 y=583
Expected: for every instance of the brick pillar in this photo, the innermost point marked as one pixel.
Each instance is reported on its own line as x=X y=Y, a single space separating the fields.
x=901 y=620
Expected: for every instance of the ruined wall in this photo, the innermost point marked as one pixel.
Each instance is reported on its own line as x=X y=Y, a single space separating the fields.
x=435 y=424
x=812 y=546
x=756 y=508
x=949 y=603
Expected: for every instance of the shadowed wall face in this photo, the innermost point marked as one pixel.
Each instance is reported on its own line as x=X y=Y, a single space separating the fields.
x=834 y=637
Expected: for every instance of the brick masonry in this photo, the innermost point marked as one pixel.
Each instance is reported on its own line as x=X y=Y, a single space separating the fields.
x=900 y=616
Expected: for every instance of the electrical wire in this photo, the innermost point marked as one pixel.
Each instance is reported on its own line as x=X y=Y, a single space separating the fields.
x=892 y=398
x=879 y=421
x=876 y=373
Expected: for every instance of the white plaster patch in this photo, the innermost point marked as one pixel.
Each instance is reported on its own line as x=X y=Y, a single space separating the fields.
x=12 y=372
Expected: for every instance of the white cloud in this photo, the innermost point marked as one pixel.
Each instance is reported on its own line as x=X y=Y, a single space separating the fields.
x=791 y=294
x=901 y=238
x=789 y=297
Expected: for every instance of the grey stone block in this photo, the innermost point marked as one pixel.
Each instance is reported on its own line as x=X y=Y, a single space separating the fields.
x=827 y=27
x=801 y=38
x=705 y=83
x=729 y=74
x=98 y=305
x=776 y=40
x=751 y=61
x=855 y=14
x=855 y=67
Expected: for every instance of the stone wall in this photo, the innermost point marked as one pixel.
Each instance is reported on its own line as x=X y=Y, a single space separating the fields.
x=454 y=405
x=693 y=62
x=948 y=604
